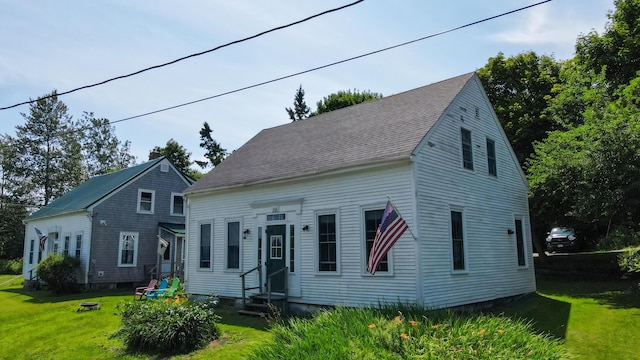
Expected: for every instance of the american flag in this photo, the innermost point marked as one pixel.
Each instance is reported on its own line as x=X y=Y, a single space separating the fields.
x=42 y=238
x=392 y=226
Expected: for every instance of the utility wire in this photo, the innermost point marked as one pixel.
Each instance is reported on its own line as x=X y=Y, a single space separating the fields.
x=186 y=57
x=331 y=64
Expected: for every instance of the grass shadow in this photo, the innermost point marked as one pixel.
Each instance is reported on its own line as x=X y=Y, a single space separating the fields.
x=230 y=316
x=546 y=315
x=618 y=294
x=44 y=296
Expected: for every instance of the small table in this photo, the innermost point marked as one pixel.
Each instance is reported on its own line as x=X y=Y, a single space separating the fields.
x=88 y=306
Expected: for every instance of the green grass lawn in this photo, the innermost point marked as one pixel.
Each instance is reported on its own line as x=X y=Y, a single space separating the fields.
x=37 y=325
x=596 y=320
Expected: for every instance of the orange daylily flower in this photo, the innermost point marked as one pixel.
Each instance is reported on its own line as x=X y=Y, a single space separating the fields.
x=372 y=326
x=482 y=332
x=500 y=332
x=436 y=326
x=413 y=323
x=403 y=335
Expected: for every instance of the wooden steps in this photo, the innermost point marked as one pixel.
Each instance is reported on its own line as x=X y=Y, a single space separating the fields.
x=257 y=305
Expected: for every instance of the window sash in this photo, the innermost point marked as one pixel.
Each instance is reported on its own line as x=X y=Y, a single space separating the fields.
x=467 y=149
x=372 y=219
x=177 y=205
x=233 y=245
x=78 y=245
x=457 y=239
x=491 y=157
x=128 y=244
x=520 y=243
x=205 y=245
x=327 y=243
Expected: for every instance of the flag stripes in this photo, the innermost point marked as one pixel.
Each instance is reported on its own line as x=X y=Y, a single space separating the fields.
x=392 y=226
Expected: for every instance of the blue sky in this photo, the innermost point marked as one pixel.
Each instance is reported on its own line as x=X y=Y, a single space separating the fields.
x=62 y=45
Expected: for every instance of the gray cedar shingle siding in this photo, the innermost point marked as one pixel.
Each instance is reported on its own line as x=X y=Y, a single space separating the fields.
x=120 y=213
x=386 y=129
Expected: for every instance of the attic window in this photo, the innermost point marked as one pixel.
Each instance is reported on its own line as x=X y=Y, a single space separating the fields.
x=164 y=167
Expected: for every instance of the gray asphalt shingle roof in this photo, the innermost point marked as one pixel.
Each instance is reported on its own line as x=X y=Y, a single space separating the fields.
x=92 y=190
x=386 y=129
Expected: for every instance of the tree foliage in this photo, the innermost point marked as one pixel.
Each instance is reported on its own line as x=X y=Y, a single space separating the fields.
x=519 y=88
x=617 y=51
x=344 y=98
x=176 y=153
x=300 y=109
x=214 y=151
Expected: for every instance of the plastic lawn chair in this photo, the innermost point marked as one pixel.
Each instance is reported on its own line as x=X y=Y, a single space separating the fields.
x=170 y=291
x=154 y=293
x=142 y=290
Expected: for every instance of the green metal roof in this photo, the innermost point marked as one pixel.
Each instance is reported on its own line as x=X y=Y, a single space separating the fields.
x=92 y=190
x=174 y=228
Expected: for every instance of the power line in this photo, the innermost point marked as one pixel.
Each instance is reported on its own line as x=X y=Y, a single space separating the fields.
x=331 y=64
x=186 y=57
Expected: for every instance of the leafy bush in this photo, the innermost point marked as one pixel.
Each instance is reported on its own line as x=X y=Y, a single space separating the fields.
x=59 y=272
x=629 y=260
x=346 y=333
x=174 y=325
x=619 y=238
x=13 y=267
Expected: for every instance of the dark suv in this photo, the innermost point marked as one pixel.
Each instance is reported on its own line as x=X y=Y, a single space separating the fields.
x=562 y=238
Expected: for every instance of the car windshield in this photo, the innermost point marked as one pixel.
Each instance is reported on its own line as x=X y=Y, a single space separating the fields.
x=561 y=231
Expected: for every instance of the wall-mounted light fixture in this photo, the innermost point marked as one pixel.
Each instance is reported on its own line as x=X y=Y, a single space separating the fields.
x=510 y=232
x=245 y=233
x=305 y=228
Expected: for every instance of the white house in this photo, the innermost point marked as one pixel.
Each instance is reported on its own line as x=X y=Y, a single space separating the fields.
x=308 y=196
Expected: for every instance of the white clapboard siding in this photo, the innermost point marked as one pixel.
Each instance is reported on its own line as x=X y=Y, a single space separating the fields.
x=79 y=223
x=346 y=194
x=489 y=205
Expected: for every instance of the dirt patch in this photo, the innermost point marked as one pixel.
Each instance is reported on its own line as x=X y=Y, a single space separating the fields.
x=215 y=343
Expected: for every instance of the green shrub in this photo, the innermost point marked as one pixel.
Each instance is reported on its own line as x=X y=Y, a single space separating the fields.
x=629 y=260
x=620 y=237
x=173 y=325
x=346 y=333
x=59 y=272
x=11 y=267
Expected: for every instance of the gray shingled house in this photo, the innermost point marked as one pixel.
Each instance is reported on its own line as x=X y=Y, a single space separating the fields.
x=296 y=208
x=112 y=223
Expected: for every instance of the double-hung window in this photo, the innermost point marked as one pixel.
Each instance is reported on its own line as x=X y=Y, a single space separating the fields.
x=467 y=149
x=146 y=201
x=457 y=239
x=520 y=243
x=177 y=204
x=206 y=230
x=233 y=245
x=491 y=157
x=128 y=249
x=372 y=220
x=327 y=243
x=78 y=245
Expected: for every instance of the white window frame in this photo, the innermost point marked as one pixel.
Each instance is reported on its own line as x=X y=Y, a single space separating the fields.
x=472 y=168
x=465 y=240
x=173 y=196
x=494 y=159
x=153 y=201
x=199 y=241
x=316 y=241
x=78 y=251
x=364 y=258
x=226 y=244
x=136 y=237
x=66 y=243
x=524 y=241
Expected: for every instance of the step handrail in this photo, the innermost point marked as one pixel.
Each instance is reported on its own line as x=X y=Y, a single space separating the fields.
x=245 y=288
x=286 y=287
